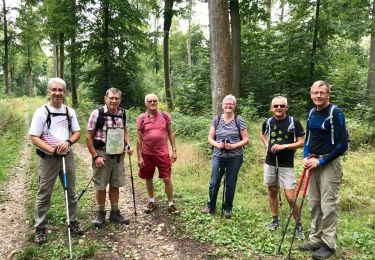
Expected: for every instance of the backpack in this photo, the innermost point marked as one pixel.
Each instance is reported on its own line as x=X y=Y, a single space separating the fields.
x=101 y=118
x=330 y=119
x=291 y=127
x=49 y=115
x=144 y=116
x=236 y=120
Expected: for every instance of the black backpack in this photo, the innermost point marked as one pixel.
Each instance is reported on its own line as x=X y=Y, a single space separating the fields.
x=48 y=121
x=101 y=118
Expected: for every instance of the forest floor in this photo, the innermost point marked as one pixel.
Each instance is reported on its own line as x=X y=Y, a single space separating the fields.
x=153 y=236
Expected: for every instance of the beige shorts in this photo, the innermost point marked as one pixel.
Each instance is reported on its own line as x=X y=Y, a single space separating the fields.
x=286 y=177
x=113 y=173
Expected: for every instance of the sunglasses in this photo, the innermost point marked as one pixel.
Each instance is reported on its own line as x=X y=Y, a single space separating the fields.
x=279 y=106
x=152 y=101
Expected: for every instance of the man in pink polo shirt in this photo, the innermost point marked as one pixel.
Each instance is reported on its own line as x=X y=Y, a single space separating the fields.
x=154 y=128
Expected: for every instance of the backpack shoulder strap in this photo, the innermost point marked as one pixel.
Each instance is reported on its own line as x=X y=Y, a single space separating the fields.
x=123 y=117
x=292 y=127
x=69 y=119
x=143 y=120
x=308 y=118
x=333 y=107
x=237 y=121
x=217 y=121
x=48 y=120
x=267 y=133
x=101 y=119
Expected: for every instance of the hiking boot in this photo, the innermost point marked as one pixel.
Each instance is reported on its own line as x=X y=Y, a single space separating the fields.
x=116 y=217
x=300 y=235
x=273 y=225
x=76 y=228
x=40 y=236
x=151 y=206
x=173 y=210
x=324 y=252
x=208 y=210
x=99 y=222
x=227 y=214
x=309 y=247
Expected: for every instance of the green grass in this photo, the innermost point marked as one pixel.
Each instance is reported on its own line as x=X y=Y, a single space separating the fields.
x=245 y=235
x=246 y=231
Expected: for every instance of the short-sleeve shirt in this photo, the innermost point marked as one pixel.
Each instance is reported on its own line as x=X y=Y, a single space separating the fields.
x=281 y=132
x=109 y=123
x=58 y=130
x=228 y=132
x=154 y=133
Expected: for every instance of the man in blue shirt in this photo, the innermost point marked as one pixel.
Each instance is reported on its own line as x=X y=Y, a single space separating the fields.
x=326 y=141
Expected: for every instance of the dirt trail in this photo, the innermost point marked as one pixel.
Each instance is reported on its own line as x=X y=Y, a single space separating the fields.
x=154 y=236
x=15 y=228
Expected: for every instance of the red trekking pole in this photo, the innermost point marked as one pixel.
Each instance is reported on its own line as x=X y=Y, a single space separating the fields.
x=292 y=209
x=300 y=210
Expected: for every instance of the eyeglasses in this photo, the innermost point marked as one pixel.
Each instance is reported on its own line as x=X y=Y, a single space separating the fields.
x=152 y=101
x=114 y=98
x=279 y=106
x=229 y=104
x=57 y=90
x=321 y=93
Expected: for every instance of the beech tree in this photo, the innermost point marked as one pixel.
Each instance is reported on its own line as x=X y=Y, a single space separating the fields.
x=221 y=83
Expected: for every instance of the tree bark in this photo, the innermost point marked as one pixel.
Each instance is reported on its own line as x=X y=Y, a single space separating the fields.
x=236 y=46
x=6 y=51
x=315 y=40
x=220 y=52
x=56 y=60
x=370 y=88
x=73 y=57
x=62 y=56
x=168 y=13
x=269 y=11
x=29 y=73
x=188 y=41
x=106 y=61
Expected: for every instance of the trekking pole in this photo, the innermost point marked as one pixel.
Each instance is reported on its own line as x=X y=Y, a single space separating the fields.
x=300 y=210
x=131 y=178
x=67 y=206
x=88 y=184
x=278 y=186
x=223 y=200
x=292 y=209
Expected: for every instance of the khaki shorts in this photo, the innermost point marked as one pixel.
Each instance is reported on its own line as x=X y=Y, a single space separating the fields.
x=113 y=173
x=287 y=178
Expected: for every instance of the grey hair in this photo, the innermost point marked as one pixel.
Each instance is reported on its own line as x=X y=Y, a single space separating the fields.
x=321 y=83
x=284 y=99
x=114 y=91
x=150 y=95
x=56 y=81
x=230 y=96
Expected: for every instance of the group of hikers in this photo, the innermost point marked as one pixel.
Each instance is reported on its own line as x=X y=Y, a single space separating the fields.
x=54 y=129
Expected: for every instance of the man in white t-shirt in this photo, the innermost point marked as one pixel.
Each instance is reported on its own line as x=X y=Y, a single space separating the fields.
x=53 y=130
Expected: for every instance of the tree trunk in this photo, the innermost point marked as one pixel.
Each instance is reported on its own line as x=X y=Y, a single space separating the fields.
x=268 y=13
x=220 y=52
x=73 y=57
x=236 y=46
x=315 y=40
x=168 y=13
x=29 y=73
x=106 y=67
x=62 y=56
x=56 y=60
x=188 y=41
x=282 y=7
x=6 y=51
x=370 y=88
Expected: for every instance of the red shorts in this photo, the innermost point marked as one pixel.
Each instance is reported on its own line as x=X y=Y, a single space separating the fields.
x=163 y=162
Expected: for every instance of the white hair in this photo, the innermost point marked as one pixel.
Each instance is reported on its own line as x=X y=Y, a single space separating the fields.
x=230 y=96
x=56 y=81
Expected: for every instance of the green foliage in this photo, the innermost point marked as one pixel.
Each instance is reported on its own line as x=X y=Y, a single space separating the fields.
x=12 y=130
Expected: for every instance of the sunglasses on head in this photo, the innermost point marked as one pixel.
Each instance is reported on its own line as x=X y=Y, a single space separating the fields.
x=279 y=106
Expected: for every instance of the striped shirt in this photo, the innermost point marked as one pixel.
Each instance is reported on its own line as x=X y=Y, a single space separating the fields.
x=229 y=132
